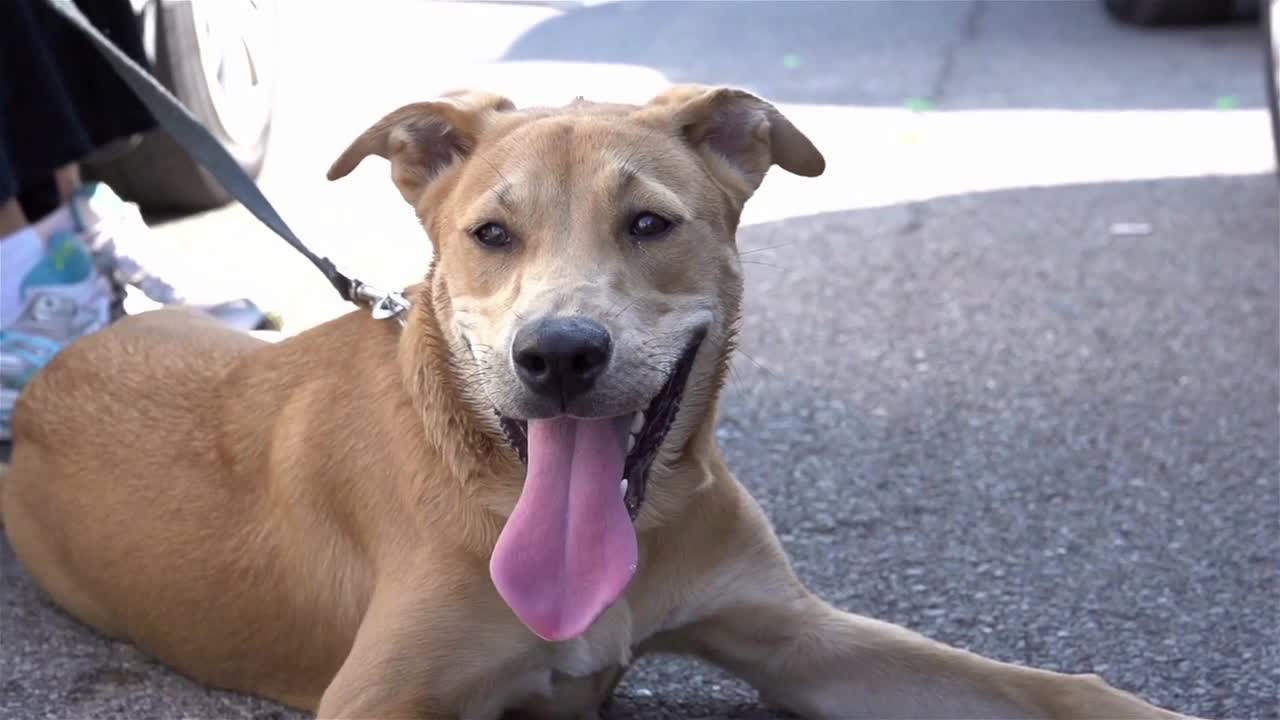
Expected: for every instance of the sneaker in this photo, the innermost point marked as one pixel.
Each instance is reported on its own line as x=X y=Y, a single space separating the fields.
x=64 y=297
x=128 y=252
x=119 y=238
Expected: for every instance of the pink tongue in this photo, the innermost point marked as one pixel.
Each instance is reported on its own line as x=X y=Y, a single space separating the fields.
x=568 y=550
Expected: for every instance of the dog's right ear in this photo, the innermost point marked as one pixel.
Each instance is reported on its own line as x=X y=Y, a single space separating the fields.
x=423 y=139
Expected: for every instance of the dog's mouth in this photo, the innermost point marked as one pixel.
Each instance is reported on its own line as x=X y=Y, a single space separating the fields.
x=569 y=548
x=645 y=429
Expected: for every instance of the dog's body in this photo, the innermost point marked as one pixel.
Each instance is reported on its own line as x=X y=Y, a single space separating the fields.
x=341 y=521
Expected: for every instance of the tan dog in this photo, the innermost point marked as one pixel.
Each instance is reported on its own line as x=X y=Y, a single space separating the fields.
x=500 y=505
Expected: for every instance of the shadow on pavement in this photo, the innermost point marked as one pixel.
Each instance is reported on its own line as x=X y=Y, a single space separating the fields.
x=1052 y=55
x=984 y=417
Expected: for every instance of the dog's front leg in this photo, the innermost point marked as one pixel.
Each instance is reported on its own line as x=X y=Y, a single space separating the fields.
x=821 y=663
x=388 y=674
x=805 y=656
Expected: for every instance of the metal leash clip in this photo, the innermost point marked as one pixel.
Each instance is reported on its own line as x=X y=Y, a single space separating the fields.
x=383 y=304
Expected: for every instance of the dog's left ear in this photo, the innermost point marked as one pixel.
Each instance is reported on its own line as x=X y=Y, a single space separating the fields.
x=423 y=139
x=737 y=133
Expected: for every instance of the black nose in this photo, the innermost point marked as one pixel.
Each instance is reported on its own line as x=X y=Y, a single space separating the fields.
x=561 y=357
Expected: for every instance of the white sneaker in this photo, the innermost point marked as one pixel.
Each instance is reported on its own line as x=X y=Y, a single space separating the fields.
x=128 y=251
x=64 y=297
x=119 y=238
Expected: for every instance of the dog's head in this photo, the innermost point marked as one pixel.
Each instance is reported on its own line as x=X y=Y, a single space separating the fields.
x=586 y=277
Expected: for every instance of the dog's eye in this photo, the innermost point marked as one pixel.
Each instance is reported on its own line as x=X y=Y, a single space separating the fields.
x=649 y=225
x=492 y=234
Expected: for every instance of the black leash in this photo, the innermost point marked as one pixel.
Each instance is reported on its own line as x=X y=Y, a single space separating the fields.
x=208 y=151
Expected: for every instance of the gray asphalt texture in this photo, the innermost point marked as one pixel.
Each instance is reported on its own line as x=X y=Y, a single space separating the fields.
x=984 y=416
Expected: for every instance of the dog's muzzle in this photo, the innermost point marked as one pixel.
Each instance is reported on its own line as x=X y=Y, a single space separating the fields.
x=647 y=429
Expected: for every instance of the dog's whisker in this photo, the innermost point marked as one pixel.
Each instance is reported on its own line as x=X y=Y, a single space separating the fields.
x=764 y=264
x=767 y=248
x=755 y=362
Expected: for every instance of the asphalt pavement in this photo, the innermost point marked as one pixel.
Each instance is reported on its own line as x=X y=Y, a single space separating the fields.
x=1010 y=372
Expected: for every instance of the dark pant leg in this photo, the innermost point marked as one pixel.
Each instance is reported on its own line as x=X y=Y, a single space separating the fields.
x=59 y=99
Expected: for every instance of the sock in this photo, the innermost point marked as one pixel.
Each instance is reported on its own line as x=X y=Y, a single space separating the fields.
x=91 y=204
x=19 y=252
x=94 y=203
x=60 y=220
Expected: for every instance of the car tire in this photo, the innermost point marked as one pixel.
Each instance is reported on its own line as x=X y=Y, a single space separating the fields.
x=1170 y=12
x=155 y=171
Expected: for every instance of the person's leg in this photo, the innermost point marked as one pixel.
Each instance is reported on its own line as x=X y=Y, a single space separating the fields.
x=62 y=102
x=59 y=102
x=67 y=179
x=12 y=218
x=50 y=290
x=105 y=111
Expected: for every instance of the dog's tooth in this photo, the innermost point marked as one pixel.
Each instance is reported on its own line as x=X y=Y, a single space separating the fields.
x=637 y=423
x=623 y=486
x=631 y=443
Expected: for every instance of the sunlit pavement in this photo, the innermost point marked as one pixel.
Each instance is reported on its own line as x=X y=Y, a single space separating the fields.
x=1010 y=379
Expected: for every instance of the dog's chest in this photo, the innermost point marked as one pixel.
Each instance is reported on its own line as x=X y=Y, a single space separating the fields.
x=582 y=658
x=567 y=680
